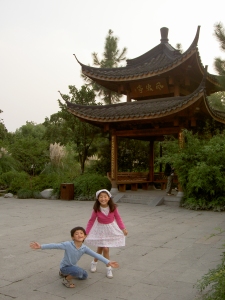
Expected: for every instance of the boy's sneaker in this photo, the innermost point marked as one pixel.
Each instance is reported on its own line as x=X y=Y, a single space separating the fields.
x=109 y=273
x=93 y=266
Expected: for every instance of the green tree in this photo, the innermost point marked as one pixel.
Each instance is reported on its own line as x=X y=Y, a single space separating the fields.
x=199 y=165
x=219 y=63
x=217 y=100
x=56 y=129
x=133 y=156
x=179 y=47
x=112 y=57
x=3 y=130
x=82 y=135
x=31 y=153
x=31 y=130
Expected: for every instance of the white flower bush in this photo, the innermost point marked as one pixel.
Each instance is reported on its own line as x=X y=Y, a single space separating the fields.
x=57 y=152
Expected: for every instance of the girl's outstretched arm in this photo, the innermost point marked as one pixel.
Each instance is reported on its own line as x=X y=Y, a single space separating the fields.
x=113 y=264
x=35 y=245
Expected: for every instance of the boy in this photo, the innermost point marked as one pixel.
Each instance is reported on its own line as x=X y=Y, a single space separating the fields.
x=73 y=251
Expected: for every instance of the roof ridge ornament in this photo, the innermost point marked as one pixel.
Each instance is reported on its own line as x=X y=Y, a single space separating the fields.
x=164 y=35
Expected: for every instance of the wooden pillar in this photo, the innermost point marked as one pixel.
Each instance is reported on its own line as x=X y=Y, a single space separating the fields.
x=160 y=154
x=128 y=96
x=181 y=144
x=181 y=139
x=176 y=90
x=114 y=160
x=151 y=160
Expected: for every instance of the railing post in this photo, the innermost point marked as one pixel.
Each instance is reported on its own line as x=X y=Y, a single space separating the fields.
x=113 y=160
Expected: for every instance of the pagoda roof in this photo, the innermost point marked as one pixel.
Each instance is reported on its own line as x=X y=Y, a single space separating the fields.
x=145 y=110
x=158 y=60
x=162 y=60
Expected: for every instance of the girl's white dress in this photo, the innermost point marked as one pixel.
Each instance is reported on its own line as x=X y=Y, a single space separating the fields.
x=105 y=235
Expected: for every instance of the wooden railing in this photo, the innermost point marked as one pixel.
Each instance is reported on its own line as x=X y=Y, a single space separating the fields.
x=135 y=178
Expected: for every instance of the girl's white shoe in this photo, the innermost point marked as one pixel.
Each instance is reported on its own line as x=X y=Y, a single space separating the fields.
x=109 y=273
x=93 y=266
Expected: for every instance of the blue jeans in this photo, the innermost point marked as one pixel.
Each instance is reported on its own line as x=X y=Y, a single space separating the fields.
x=75 y=271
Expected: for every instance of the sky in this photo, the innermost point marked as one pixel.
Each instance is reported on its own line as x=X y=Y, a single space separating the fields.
x=38 y=40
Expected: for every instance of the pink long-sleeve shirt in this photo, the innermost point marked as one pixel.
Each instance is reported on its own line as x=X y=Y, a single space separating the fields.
x=103 y=219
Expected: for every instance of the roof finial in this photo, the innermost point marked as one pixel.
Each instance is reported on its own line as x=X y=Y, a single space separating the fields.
x=164 y=35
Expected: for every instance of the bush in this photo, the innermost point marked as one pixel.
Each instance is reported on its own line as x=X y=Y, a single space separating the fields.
x=86 y=185
x=37 y=195
x=27 y=194
x=14 y=181
x=214 y=280
x=24 y=194
x=200 y=166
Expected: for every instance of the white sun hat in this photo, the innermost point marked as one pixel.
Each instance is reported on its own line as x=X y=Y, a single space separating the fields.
x=105 y=191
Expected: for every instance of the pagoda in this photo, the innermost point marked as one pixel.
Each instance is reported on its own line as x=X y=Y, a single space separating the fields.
x=166 y=91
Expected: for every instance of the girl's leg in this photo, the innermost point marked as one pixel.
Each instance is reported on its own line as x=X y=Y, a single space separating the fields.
x=94 y=261
x=99 y=251
x=109 y=273
x=106 y=252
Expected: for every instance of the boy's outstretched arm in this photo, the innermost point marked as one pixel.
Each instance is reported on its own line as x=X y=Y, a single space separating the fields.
x=35 y=245
x=113 y=264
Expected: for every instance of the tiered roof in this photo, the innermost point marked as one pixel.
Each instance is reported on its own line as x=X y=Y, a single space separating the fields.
x=161 y=60
x=165 y=65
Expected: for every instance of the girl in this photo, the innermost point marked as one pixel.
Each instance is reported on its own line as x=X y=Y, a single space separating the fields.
x=105 y=228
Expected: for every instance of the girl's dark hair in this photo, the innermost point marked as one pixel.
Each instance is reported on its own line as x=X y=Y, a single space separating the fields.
x=112 y=205
x=72 y=231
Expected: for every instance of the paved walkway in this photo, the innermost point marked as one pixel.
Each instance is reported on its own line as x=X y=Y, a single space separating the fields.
x=167 y=250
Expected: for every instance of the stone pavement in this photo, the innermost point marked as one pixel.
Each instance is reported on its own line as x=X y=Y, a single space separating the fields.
x=167 y=250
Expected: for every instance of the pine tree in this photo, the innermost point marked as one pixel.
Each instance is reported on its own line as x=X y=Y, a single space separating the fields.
x=112 y=57
x=219 y=64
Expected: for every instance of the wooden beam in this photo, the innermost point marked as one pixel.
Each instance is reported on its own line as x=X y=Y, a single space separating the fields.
x=176 y=122
x=176 y=90
x=113 y=157
x=128 y=96
x=151 y=160
x=106 y=127
x=171 y=80
x=187 y=80
x=193 y=122
x=149 y=132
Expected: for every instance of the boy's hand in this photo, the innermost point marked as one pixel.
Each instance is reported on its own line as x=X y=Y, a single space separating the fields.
x=35 y=245
x=125 y=232
x=113 y=264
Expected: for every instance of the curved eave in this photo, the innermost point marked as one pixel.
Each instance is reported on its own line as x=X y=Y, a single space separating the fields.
x=136 y=68
x=90 y=71
x=135 y=111
x=194 y=44
x=215 y=79
x=217 y=115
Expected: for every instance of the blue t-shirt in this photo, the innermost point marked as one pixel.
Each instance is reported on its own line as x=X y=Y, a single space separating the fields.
x=73 y=254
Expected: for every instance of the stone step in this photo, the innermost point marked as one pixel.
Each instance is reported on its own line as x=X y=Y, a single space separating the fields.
x=149 y=200
x=152 y=198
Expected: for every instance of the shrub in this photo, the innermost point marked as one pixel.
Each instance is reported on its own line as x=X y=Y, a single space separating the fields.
x=214 y=280
x=86 y=185
x=25 y=194
x=37 y=195
x=15 y=181
x=199 y=164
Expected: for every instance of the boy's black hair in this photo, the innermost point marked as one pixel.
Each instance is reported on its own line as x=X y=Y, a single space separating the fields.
x=72 y=231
